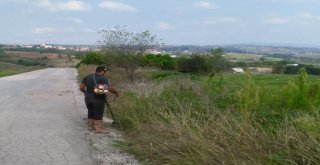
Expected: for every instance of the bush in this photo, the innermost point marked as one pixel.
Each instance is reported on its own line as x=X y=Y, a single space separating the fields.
x=195 y=64
x=92 y=58
x=309 y=68
x=165 y=62
x=1 y=51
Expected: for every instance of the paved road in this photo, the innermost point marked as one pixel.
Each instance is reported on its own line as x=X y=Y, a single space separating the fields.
x=41 y=119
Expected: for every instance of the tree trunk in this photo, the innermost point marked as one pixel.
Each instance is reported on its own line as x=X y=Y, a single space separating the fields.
x=130 y=73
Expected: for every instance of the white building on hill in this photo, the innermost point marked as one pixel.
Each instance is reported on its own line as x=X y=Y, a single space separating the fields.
x=238 y=70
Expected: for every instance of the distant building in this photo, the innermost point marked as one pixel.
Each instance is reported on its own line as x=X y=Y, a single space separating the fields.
x=260 y=70
x=173 y=56
x=238 y=70
x=26 y=46
x=45 y=46
x=61 y=48
x=83 y=49
x=154 y=51
x=292 y=64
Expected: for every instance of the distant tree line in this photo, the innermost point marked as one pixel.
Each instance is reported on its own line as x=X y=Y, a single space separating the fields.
x=23 y=61
x=196 y=63
x=128 y=50
x=40 y=50
x=310 y=69
x=1 y=51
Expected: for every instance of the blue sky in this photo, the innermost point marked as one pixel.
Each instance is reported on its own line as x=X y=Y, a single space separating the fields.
x=198 y=22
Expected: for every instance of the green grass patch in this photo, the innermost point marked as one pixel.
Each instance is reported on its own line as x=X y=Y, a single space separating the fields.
x=175 y=118
x=7 y=69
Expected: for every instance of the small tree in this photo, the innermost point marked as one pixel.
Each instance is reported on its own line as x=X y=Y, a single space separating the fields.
x=219 y=63
x=1 y=51
x=165 y=62
x=126 y=48
x=195 y=64
x=92 y=58
x=277 y=68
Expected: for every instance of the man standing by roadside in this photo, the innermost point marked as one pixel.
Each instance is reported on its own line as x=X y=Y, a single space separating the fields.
x=95 y=87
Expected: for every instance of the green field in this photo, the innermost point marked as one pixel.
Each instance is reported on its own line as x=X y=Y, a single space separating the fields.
x=14 y=62
x=175 y=118
x=237 y=57
x=276 y=81
x=313 y=55
x=39 y=60
x=7 y=69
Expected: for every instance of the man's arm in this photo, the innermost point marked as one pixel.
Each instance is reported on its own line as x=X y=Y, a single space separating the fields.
x=112 y=90
x=82 y=87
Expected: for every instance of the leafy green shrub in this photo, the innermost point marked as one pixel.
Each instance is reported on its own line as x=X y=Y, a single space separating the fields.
x=195 y=64
x=301 y=95
x=165 y=62
x=1 y=51
x=309 y=69
x=92 y=58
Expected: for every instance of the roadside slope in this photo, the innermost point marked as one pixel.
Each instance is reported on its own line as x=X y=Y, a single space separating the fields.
x=42 y=122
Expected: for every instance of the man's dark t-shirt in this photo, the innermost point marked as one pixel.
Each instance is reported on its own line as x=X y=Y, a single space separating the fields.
x=88 y=81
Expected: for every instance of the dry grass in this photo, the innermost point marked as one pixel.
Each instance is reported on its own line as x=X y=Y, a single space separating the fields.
x=7 y=69
x=32 y=54
x=177 y=121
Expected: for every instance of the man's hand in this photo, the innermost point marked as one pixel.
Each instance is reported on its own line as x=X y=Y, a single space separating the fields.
x=114 y=91
x=118 y=94
x=82 y=87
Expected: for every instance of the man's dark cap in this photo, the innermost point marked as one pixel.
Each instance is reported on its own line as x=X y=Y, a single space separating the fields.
x=102 y=68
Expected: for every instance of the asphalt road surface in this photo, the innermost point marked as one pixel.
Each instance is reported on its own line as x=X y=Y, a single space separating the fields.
x=41 y=119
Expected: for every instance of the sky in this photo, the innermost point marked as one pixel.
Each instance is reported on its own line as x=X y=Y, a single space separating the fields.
x=175 y=22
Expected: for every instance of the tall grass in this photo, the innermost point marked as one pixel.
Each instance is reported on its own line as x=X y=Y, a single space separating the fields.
x=7 y=69
x=180 y=120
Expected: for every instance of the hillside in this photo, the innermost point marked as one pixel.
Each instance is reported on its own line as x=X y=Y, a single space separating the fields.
x=10 y=69
x=38 y=59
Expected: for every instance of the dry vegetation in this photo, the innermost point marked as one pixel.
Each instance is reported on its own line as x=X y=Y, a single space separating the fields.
x=32 y=54
x=187 y=119
x=7 y=69
x=39 y=59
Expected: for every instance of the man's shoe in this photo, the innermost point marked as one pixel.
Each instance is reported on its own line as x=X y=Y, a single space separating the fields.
x=90 y=124
x=99 y=128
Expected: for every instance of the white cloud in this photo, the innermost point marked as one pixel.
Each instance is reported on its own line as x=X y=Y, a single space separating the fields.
x=303 y=1
x=204 y=5
x=290 y=1
x=28 y=11
x=76 y=20
x=16 y=1
x=276 y=20
x=228 y=19
x=50 y=30
x=66 y=30
x=110 y=5
x=220 y=20
x=308 y=16
x=165 y=26
x=43 y=30
x=72 y=5
x=89 y=30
